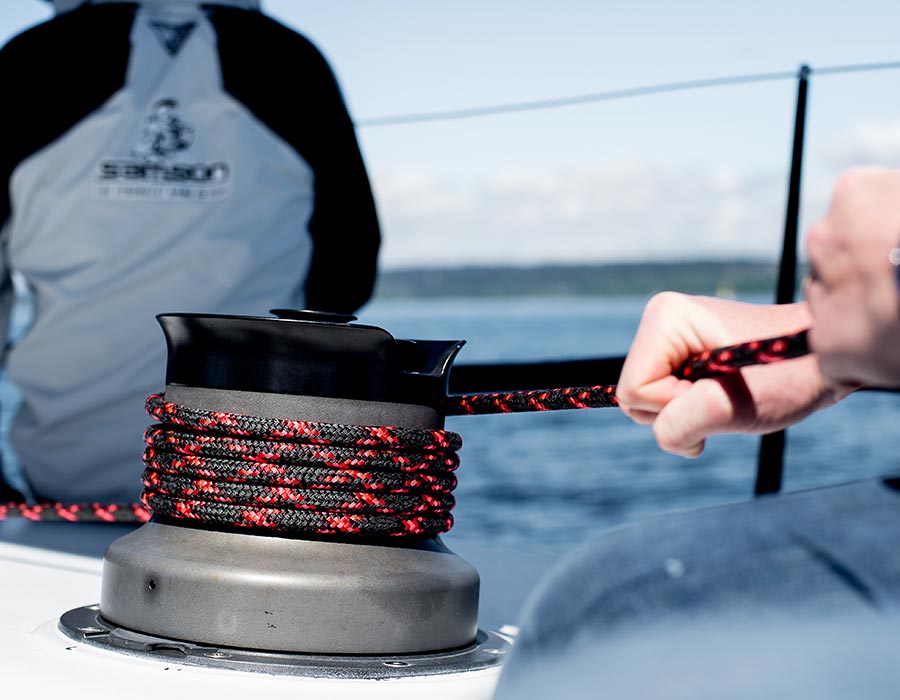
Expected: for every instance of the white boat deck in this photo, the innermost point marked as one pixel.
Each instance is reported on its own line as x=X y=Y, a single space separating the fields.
x=39 y=584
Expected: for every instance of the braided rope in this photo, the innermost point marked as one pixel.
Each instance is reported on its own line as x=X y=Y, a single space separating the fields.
x=298 y=477
x=733 y=358
x=601 y=396
x=77 y=512
x=303 y=477
x=709 y=363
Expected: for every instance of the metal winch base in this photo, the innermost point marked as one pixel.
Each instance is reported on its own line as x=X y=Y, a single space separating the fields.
x=289 y=595
x=87 y=626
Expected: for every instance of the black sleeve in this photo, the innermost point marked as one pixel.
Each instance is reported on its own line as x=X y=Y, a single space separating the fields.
x=287 y=84
x=51 y=77
x=55 y=74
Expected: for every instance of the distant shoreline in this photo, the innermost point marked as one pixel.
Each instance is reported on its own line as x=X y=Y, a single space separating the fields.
x=719 y=277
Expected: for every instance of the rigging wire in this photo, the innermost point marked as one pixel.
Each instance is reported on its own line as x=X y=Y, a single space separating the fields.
x=609 y=95
x=857 y=68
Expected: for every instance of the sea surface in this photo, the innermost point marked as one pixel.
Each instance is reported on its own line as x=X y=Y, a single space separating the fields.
x=544 y=482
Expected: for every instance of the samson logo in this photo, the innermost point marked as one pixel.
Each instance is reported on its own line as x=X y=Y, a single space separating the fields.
x=156 y=172
x=159 y=167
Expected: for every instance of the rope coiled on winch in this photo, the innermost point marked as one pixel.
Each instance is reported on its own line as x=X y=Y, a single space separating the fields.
x=300 y=477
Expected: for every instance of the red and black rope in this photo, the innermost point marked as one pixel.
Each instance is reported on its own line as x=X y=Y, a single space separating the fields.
x=709 y=363
x=77 y=512
x=300 y=477
x=733 y=358
x=288 y=476
x=600 y=396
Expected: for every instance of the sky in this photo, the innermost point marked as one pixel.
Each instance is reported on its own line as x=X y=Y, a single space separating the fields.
x=699 y=173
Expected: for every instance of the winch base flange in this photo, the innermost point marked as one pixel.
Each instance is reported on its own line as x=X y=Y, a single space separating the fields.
x=87 y=625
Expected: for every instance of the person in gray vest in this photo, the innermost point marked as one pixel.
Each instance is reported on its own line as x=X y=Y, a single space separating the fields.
x=788 y=596
x=165 y=155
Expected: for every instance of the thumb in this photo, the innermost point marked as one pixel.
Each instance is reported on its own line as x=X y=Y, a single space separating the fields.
x=706 y=407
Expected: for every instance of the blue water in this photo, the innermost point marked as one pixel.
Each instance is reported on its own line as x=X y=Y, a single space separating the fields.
x=543 y=482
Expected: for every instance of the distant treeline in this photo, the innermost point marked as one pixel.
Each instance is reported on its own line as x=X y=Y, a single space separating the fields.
x=732 y=277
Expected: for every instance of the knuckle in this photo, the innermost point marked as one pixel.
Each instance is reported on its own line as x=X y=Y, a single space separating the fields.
x=852 y=181
x=661 y=307
x=817 y=234
x=662 y=301
x=847 y=182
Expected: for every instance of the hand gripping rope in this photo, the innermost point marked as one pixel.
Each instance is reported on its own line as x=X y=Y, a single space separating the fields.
x=236 y=471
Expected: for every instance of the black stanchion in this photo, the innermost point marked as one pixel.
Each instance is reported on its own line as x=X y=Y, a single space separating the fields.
x=770 y=466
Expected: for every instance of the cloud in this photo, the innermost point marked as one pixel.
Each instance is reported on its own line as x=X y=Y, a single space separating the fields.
x=866 y=143
x=630 y=211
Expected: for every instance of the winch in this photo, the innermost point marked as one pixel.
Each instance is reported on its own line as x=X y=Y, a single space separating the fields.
x=299 y=478
x=267 y=590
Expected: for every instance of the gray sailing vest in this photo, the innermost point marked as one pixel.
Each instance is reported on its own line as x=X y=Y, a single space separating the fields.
x=189 y=187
